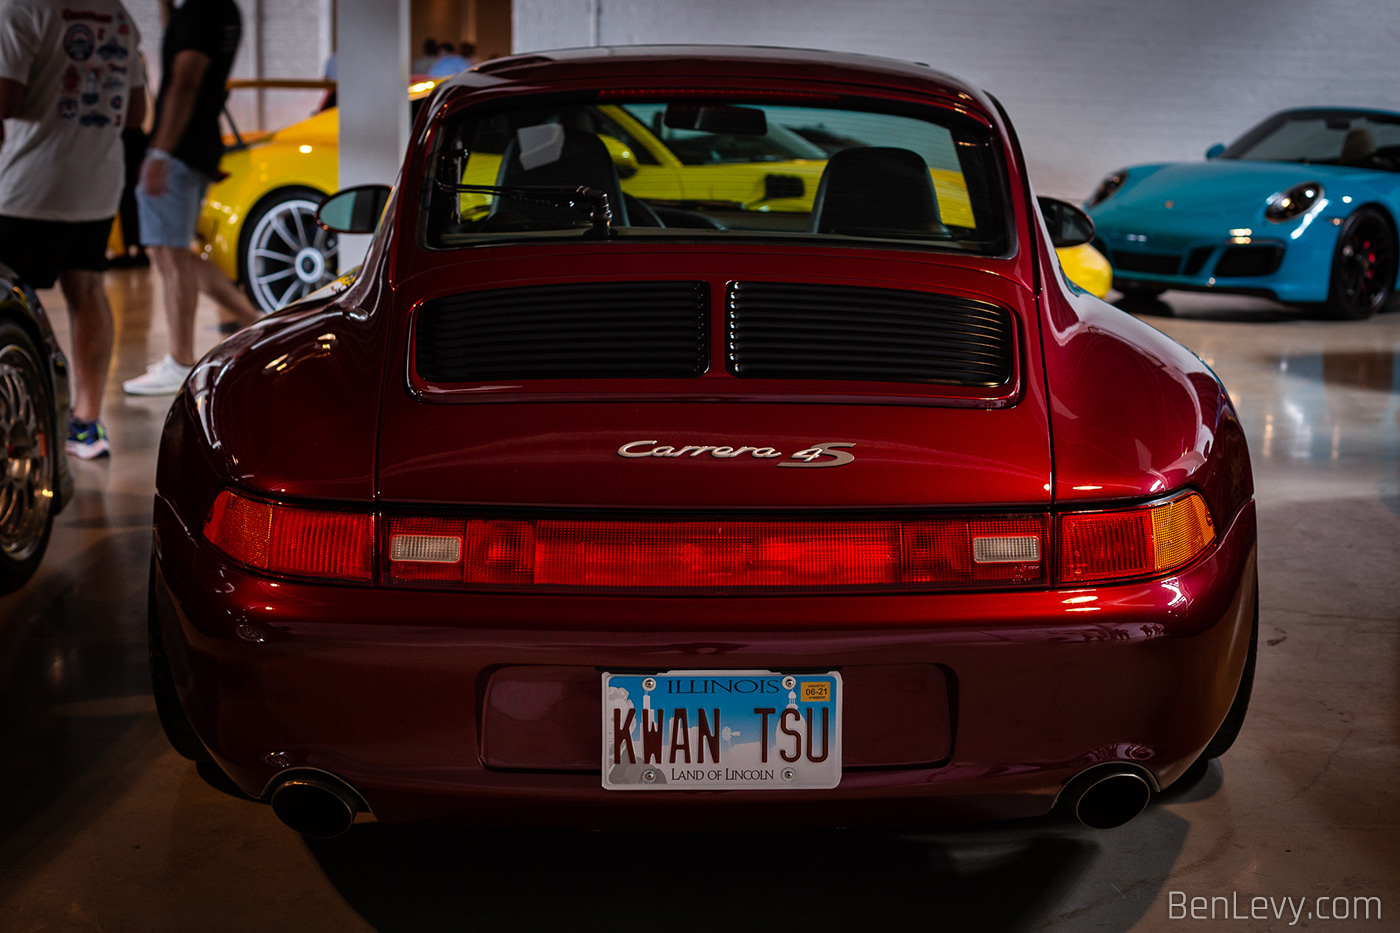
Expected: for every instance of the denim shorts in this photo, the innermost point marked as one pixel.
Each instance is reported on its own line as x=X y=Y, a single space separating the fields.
x=169 y=220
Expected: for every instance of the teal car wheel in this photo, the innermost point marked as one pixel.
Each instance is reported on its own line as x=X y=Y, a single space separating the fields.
x=1363 y=268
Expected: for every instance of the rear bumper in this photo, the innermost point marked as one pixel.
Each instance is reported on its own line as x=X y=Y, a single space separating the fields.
x=487 y=709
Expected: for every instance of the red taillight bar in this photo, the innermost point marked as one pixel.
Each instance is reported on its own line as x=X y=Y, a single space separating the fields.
x=713 y=555
x=710 y=93
x=707 y=555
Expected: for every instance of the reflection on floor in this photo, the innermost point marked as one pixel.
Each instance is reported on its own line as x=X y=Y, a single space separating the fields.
x=103 y=827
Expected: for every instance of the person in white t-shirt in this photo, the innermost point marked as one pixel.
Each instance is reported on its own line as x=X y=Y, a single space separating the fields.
x=70 y=79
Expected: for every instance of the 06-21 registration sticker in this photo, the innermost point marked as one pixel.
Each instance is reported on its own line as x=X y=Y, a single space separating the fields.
x=721 y=730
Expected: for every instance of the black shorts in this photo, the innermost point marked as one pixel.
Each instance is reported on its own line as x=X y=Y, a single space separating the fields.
x=38 y=250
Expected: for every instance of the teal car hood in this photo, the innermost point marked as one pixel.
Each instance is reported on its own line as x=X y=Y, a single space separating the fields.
x=1224 y=187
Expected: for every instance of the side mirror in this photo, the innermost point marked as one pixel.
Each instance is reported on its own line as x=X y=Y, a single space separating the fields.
x=354 y=210
x=623 y=157
x=1214 y=151
x=1068 y=225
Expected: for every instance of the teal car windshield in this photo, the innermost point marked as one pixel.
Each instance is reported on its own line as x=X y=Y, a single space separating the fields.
x=1324 y=137
x=717 y=169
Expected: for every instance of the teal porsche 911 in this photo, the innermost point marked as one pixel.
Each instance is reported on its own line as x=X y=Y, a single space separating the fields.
x=1301 y=209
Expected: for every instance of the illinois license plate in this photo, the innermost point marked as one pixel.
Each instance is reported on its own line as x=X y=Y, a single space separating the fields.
x=721 y=730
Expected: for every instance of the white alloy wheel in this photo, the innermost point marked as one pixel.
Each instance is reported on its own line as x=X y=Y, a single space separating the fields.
x=287 y=255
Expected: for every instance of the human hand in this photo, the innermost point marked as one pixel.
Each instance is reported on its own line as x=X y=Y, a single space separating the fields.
x=153 y=174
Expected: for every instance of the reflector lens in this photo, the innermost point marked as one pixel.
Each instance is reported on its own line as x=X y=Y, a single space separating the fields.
x=716 y=554
x=500 y=552
x=292 y=540
x=1146 y=541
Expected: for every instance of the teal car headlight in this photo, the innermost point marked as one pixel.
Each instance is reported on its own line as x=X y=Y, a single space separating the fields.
x=1293 y=202
x=1111 y=183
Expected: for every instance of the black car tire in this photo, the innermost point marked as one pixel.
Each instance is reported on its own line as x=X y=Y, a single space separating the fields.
x=1234 y=719
x=1143 y=301
x=29 y=458
x=1133 y=293
x=1363 y=267
x=173 y=720
x=283 y=254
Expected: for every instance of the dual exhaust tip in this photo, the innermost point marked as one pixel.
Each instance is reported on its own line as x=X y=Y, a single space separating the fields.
x=316 y=804
x=321 y=806
x=1105 y=797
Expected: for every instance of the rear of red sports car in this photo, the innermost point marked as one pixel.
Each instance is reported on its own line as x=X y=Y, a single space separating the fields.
x=611 y=496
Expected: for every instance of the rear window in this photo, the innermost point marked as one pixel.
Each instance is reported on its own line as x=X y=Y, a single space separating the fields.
x=730 y=168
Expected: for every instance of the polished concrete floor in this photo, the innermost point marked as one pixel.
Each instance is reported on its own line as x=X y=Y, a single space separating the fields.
x=103 y=827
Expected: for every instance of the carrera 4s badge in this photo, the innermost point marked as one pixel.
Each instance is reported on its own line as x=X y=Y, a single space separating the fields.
x=826 y=454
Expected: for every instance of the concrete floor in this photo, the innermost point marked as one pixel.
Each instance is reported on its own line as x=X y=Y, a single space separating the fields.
x=103 y=827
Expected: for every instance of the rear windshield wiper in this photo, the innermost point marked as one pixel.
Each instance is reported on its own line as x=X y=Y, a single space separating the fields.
x=590 y=202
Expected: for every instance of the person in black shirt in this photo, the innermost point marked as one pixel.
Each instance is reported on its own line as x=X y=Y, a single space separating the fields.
x=197 y=52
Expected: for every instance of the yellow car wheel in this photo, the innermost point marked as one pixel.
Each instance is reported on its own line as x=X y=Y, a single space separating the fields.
x=284 y=254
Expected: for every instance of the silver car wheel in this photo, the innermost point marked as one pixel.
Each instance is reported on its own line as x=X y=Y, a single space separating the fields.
x=288 y=255
x=26 y=460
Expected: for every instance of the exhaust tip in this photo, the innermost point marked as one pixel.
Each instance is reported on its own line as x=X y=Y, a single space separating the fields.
x=1109 y=799
x=320 y=807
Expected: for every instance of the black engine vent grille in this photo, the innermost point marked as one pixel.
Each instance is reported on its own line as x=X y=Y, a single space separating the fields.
x=1156 y=263
x=788 y=331
x=625 y=330
x=1244 y=261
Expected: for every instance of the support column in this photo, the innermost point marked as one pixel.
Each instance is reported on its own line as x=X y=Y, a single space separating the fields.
x=372 y=61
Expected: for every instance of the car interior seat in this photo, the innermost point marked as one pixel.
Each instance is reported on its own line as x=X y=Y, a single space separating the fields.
x=1359 y=146
x=874 y=191
x=582 y=159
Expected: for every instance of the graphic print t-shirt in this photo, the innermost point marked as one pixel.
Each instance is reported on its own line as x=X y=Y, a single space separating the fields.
x=213 y=27
x=62 y=154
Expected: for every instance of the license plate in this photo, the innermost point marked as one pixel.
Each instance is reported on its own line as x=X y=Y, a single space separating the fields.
x=721 y=730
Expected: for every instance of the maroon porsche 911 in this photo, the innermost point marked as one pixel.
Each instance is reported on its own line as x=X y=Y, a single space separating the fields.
x=710 y=437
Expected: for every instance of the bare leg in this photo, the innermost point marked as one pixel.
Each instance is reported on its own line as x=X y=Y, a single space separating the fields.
x=179 y=273
x=91 y=318
x=216 y=285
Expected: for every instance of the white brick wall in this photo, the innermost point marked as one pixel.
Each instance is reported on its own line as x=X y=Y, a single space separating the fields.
x=295 y=40
x=1090 y=84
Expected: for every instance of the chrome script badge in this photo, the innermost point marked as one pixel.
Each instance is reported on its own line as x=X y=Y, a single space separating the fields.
x=826 y=454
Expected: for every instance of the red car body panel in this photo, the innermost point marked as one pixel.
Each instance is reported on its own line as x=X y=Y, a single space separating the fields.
x=397 y=691
x=484 y=706
x=1136 y=414
x=985 y=447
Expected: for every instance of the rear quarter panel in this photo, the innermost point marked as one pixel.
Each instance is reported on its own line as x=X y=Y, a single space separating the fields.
x=1133 y=413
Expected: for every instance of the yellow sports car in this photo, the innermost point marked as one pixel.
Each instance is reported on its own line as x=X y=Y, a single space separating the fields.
x=259 y=224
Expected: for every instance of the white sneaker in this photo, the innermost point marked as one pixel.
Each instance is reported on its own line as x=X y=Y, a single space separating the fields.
x=162 y=378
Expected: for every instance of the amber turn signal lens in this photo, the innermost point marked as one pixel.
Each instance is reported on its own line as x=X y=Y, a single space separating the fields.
x=1147 y=541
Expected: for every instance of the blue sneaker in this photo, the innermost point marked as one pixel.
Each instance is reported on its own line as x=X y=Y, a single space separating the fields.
x=87 y=439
